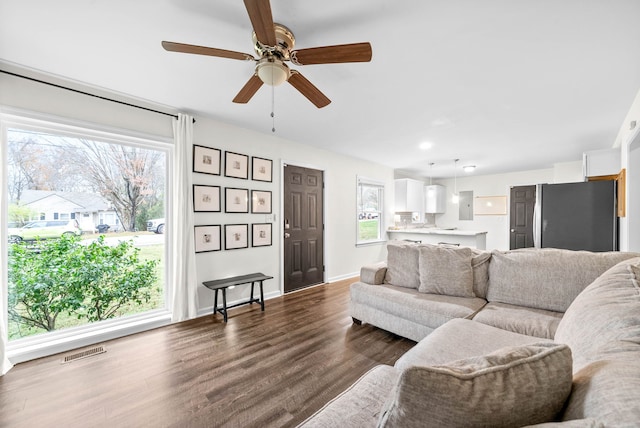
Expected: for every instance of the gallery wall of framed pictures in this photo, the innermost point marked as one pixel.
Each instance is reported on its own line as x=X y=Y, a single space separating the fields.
x=235 y=200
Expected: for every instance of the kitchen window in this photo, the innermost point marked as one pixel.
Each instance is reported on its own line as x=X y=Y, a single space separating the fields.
x=369 y=213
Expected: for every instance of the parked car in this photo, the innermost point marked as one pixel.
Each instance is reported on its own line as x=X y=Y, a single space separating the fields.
x=367 y=216
x=155 y=225
x=44 y=229
x=102 y=228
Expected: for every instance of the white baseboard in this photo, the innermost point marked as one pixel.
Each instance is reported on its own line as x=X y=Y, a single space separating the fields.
x=345 y=276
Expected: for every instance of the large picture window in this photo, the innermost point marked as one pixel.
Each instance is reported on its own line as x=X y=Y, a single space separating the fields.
x=78 y=248
x=370 y=210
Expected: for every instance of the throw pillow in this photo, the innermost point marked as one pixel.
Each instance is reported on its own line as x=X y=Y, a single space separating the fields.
x=510 y=387
x=402 y=264
x=446 y=270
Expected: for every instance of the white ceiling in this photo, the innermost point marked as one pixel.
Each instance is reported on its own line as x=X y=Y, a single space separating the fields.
x=506 y=85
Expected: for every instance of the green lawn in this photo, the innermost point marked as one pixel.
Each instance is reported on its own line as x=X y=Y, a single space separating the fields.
x=368 y=229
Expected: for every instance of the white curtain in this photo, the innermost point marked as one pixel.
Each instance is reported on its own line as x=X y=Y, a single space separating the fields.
x=185 y=286
x=5 y=365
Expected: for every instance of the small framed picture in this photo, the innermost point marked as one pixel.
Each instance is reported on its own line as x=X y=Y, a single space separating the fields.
x=206 y=160
x=235 y=236
x=262 y=169
x=207 y=238
x=261 y=202
x=236 y=165
x=261 y=234
x=236 y=200
x=206 y=198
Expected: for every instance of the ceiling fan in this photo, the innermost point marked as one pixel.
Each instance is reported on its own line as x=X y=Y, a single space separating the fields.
x=274 y=45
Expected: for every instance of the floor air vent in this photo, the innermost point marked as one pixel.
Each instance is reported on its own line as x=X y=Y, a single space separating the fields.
x=84 y=354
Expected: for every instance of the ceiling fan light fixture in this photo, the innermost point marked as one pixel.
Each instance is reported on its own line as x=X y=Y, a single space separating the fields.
x=272 y=71
x=469 y=168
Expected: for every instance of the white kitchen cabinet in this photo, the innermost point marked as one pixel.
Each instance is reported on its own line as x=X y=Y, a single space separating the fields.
x=435 y=199
x=409 y=196
x=601 y=162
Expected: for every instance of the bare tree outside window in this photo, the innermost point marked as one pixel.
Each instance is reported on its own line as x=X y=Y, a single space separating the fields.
x=125 y=176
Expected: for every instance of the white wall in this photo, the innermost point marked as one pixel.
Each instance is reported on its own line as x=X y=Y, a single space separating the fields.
x=496 y=226
x=630 y=224
x=628 y=140
x=343 y=258
x=24 y=94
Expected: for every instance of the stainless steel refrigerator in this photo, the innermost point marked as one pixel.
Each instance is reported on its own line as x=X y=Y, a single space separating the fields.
x=576 y=216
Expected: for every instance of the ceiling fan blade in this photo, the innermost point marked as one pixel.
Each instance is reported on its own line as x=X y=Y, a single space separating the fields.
x=307 y=89
x=248 y=90
x=354 y=52
x=202 y=50
x=262 y=20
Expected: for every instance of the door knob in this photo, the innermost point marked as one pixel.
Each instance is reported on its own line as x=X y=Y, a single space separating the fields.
x=513 y=230
x=287 y=235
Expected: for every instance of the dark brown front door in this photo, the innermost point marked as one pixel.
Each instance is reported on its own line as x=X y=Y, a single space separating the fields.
x=303 y=227
x=523 y=201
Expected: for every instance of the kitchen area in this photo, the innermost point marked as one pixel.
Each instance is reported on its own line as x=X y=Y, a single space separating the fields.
x=416 y=206
x=576 y=205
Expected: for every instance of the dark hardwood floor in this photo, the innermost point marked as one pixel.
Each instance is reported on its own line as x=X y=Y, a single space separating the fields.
x=261 y=369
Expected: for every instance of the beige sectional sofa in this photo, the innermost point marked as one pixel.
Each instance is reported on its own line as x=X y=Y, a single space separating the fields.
x=511 y=338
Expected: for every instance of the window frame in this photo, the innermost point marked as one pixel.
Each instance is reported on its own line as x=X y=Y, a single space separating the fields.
x=370 y=182
x=41 y=345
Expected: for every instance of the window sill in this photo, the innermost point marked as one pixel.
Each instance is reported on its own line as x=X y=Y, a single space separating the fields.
x=29 y=348
x=370 y=243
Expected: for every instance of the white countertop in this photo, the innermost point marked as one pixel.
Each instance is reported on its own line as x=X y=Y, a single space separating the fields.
x=438 y=231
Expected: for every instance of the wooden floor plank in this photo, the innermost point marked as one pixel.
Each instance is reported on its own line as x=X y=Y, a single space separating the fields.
x=261 y=369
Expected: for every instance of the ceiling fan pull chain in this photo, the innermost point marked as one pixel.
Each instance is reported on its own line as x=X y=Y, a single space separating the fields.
x=273 y=108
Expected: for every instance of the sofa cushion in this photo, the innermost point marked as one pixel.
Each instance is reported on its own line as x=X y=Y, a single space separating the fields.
x=602 y=327
x=360 y=404
x=513 y=386
x=402 y=264
x=519 y=319
x=431 y=310
x=373 y=273
x=446 y=270
x=547 y=278
x=480 y=267
x=604 y=320
x=459 y=339
x=608 y=390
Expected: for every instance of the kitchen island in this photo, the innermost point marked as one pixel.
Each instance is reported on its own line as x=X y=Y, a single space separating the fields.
x=427 y=235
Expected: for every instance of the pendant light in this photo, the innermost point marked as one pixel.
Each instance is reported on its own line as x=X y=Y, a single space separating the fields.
x=431 y=164
x=456 y=197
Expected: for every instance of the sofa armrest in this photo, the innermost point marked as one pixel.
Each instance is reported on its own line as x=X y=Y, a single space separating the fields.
x=374 y=273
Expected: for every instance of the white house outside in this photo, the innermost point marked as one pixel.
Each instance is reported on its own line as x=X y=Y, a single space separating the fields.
x=89 y=209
